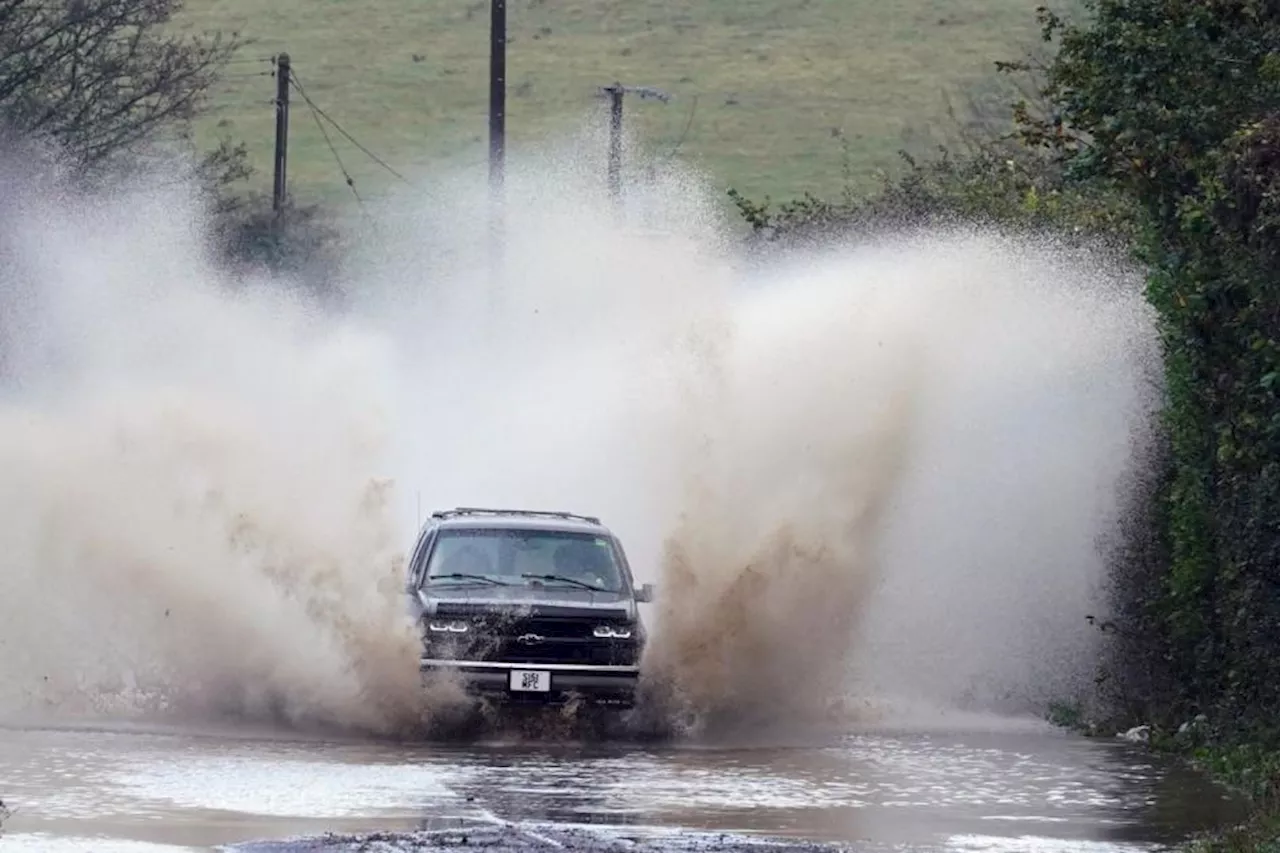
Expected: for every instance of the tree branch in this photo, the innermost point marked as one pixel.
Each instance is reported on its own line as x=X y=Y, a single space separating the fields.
x=100 y=76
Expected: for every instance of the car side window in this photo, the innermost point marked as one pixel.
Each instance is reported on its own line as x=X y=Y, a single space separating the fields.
x=418 y=563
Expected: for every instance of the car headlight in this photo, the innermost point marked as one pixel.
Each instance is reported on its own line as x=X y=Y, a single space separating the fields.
x=612 y=632
x=448 y=627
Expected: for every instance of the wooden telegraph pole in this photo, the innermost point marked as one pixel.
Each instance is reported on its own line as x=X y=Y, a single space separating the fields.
x=615 y=93
x=282 y=132
x=497 y=94
x=497 y=139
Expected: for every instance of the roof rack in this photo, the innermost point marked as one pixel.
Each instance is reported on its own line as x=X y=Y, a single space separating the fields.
x=532 y=513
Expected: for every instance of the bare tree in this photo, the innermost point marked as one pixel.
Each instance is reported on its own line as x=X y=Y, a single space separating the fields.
x=99 y=77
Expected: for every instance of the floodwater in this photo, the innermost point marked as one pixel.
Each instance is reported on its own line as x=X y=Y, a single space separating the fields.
x=1006 y=788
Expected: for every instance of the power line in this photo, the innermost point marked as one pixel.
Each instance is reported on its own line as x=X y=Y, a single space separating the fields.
x=688 y=125
x=322 y=114
x=315 y=114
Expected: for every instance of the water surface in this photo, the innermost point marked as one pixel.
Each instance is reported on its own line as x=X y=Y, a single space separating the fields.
x=118 y=789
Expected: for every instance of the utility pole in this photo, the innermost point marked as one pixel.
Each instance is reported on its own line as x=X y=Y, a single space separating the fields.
x=615 y=93
x=497 y=93
x=497 y=141
x=282 y=131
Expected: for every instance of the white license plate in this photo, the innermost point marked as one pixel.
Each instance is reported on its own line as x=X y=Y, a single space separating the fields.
x=530 y=681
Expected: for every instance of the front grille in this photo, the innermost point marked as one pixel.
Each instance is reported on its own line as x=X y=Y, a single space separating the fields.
x=561 y=641
x=593 y=651
x=546 y=626
x=558 y=640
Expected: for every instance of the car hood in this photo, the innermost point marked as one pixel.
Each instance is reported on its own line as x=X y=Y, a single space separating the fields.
x=536 y=601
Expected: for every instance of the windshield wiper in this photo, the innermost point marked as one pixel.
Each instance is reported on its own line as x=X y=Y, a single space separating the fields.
x=467 y=577
x=564 y=579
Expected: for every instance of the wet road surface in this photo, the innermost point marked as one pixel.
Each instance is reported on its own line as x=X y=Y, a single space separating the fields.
x=114 y=789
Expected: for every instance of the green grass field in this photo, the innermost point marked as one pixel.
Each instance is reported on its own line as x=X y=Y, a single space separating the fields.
x=771 y=84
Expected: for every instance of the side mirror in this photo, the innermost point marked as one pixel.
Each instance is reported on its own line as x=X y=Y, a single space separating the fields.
x=644 y=594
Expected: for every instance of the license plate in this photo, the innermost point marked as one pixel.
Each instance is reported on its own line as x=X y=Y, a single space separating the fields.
x=530 y=681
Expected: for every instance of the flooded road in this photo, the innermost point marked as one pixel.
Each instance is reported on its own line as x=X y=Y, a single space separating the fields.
x=1028 y=788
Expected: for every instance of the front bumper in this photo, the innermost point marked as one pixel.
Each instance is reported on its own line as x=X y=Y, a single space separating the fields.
x=547 y=683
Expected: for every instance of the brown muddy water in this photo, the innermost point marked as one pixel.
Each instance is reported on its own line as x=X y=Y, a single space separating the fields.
x=1010 y=786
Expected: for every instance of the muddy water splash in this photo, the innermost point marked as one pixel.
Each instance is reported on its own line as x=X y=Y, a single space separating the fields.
x=210 y=483
x=194 y=522
x=769 y=567
x=842 y=540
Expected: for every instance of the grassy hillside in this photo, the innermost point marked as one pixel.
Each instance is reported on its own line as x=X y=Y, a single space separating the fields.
x=775 y=81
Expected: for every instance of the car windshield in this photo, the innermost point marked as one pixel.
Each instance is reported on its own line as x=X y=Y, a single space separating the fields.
x=552 y=557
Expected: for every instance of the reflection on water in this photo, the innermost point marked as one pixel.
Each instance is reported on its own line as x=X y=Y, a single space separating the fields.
x=926 y=791
x=904 y=788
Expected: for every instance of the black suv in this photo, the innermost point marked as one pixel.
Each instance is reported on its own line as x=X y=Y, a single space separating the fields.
x=528 y=606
